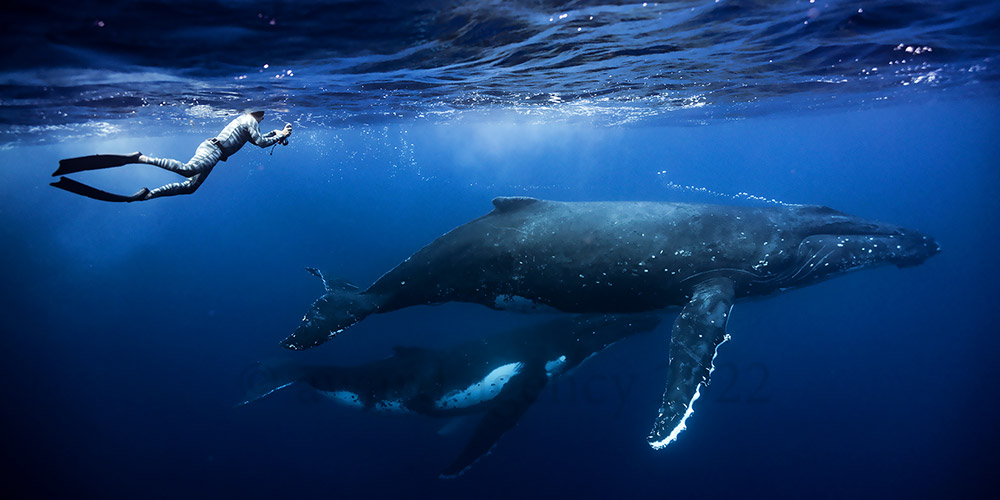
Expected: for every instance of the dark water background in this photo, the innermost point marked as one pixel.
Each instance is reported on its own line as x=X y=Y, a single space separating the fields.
x=129 y=330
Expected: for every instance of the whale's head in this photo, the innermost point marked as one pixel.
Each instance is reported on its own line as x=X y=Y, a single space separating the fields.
x=839 y=243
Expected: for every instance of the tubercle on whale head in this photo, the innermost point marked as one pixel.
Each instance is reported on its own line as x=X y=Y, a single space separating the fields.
x=329 y=315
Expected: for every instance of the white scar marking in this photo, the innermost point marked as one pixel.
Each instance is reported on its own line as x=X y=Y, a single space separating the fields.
x=484 y=390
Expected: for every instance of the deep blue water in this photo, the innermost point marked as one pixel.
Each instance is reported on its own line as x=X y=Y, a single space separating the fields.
x=129 y=330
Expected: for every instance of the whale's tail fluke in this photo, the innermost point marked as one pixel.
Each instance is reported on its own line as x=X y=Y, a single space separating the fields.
x=266 y=377
x=343 y=305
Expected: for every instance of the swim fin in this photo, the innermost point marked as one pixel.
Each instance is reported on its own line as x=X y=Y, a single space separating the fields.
x=94 y=162
x=92 y=192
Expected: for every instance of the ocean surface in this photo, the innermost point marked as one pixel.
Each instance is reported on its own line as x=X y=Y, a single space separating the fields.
x=131 y=332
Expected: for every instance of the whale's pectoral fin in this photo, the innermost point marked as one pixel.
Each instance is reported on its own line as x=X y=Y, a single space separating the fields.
x=517 y=396
x=698 y=332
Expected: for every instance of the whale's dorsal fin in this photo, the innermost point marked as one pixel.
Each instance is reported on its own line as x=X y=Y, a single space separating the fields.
x=511 y=203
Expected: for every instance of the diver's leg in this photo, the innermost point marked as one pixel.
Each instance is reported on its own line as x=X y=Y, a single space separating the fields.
x=204 y=158
x=164 y=163
x=187 y=187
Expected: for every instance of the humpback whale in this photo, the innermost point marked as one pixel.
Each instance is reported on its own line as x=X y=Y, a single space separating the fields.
x=499 y=376
x=626 y=257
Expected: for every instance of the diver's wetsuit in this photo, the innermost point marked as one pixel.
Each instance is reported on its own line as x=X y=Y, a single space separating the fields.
x=228 y=142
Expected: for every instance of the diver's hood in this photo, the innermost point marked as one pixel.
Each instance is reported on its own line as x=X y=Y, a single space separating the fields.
x=256 y=113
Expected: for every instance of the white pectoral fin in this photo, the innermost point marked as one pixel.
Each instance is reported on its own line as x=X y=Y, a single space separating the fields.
x=698 y=332
x=508 y=407
x=480 y=392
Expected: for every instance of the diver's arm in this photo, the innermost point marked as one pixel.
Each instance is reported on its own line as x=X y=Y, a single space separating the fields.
x=269 y=138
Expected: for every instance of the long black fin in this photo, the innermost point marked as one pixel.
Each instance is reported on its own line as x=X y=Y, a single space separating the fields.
x=92 y=192
x=94 y=162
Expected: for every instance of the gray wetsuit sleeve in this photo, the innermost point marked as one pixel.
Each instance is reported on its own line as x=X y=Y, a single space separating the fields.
x=257 y=138
x=242 y=130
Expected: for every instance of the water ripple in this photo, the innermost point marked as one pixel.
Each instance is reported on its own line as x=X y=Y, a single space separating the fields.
x=345 y=63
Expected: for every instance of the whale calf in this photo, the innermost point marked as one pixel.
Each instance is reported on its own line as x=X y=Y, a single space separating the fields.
x=499 y=376
x=626 y=257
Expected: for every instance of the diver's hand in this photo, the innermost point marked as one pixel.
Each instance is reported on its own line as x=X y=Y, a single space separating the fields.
x=283 y=134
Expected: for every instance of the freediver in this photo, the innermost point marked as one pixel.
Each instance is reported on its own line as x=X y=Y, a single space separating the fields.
x=241 y=130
